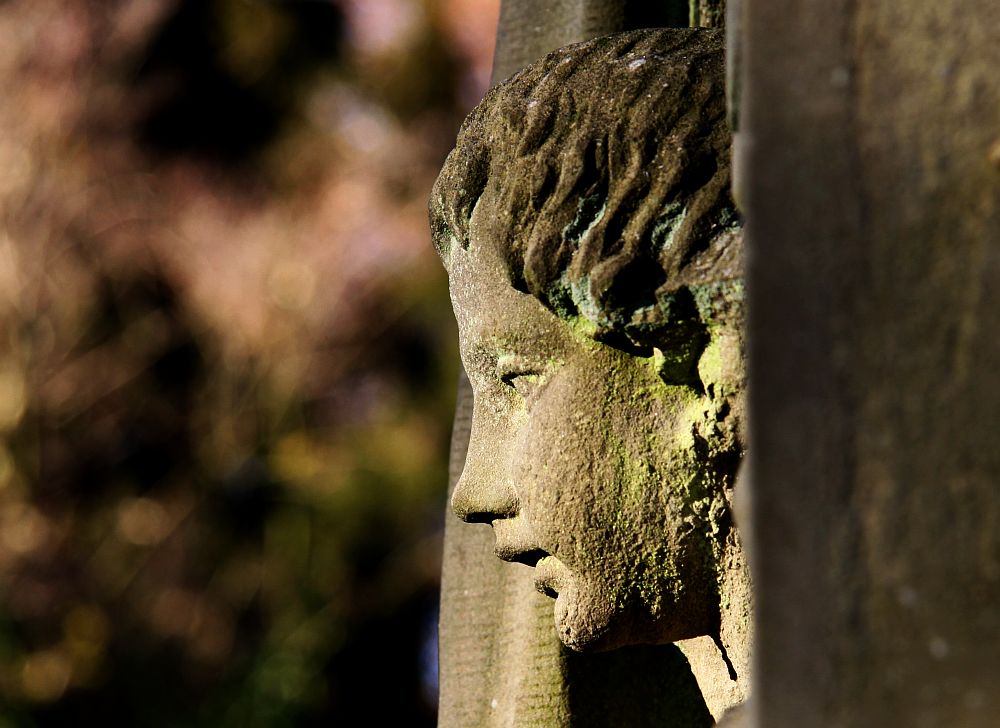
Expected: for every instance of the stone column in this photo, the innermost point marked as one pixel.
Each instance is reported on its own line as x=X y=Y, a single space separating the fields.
x=871 y=186
x=501 y=663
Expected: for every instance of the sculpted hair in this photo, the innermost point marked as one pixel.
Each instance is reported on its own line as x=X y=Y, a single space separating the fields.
x=602 y=173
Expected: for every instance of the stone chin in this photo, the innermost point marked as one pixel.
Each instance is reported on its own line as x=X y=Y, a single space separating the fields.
x=589 y=619
x=585 y=618
x=582 y=625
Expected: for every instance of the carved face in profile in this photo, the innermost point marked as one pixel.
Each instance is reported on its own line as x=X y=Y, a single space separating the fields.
x=606 y=372
x=589 y=467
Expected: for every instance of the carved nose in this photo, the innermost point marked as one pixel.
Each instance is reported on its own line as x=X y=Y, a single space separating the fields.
x=483 y=493
x=478 y=500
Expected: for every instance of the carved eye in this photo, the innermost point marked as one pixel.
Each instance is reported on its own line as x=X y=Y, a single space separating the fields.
x=524 y=383
x=518 y=375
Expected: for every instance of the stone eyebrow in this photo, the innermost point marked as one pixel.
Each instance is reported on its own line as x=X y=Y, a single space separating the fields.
x=494 y=351
x=481 y=355
x=510 y=364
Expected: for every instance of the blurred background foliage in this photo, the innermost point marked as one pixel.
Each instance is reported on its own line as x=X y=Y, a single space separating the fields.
x=227 y=358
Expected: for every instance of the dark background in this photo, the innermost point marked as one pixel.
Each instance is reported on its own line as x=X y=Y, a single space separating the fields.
x=227 y=358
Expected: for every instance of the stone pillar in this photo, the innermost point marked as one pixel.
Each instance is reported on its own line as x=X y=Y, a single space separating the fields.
x=529 y=30
x=501 y=663
x=870 y=158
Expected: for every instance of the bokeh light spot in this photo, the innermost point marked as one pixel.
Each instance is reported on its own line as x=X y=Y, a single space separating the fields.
x=23 y=529
x=13 y=396
x=45 y=675
x=142 y=521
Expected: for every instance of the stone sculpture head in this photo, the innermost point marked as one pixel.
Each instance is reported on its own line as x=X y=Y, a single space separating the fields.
x=593 y=252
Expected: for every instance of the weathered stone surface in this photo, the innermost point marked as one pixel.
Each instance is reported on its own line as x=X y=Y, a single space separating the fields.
x=529 y=29
x=594 y=259
x=613 y=204
x=873 y=207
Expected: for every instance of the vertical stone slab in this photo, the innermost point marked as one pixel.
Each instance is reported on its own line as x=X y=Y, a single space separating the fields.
x=708 y=13
x=501 y=663
x=870 y=158
x=529 y=30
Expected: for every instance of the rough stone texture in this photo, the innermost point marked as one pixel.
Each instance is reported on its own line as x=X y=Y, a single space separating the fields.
x=871 y=182
x=490 y=635
x=613 y=205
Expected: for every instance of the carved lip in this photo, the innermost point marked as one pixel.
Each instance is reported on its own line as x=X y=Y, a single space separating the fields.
x=549 y=578
x=528 y=557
